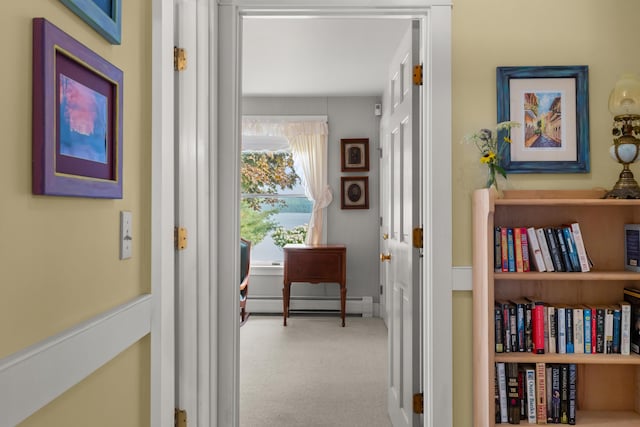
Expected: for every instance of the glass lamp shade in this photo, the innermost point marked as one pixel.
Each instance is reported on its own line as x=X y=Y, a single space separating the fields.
x=625 y=96
x=627 y=153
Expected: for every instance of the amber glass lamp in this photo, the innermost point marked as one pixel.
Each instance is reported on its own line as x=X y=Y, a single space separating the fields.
x=624 y=104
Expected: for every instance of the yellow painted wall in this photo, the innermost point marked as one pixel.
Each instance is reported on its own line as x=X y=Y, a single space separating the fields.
x=59 y=255
x=492 y=33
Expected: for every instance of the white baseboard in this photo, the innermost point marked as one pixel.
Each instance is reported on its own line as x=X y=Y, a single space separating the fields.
x=270 y=305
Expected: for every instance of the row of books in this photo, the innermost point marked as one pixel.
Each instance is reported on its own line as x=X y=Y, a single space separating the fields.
x=531 y=325
x=555 y=248
x=538 y=393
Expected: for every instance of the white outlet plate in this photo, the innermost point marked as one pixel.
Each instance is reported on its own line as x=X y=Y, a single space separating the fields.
x=126 y=236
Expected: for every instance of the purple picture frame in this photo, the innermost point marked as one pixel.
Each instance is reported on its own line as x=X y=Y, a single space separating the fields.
x=77 y=118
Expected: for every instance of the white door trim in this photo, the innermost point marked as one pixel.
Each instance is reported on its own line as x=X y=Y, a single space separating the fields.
x=162 y=216
x=437 y=198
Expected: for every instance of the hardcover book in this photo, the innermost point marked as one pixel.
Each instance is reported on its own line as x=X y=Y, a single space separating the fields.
x=564 y=252
x=517 y=248
x=554 y=249
x=541 y=393
x=513 y=396
x=510 y=250
x=632 y=296
x=632 y=247
x=625 y=328
x=502 y=391
x=537 y=325
x=580 y=248
x=497 y=253
x=544 y=248
x=537 y=260
x=578 y=330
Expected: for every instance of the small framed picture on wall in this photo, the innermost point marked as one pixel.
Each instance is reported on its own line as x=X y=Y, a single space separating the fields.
x=354 y=155
x=354 y=192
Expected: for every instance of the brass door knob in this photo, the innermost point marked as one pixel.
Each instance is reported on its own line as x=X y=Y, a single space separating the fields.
x=385 y=257
x=385 y=236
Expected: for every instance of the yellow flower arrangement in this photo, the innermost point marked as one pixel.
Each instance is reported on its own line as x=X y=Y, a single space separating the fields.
x=486 y=141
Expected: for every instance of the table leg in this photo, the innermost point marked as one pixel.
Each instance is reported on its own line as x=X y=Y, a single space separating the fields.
x=286 y=289
x=343 y=301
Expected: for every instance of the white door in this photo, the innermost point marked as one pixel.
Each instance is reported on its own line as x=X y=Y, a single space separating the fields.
x=385 y=214
x=404 y=199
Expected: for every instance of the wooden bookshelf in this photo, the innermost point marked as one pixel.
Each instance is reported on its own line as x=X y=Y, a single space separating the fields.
x=608 y=385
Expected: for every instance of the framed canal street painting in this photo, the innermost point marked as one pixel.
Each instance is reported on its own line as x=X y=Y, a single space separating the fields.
x=551 y=103
x=77 y=118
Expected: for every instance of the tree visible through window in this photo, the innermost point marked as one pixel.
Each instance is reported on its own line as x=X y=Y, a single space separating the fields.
x=274 y=210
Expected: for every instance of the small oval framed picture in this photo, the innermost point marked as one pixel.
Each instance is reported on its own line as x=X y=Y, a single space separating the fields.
x=354 y=192
x=354 y=155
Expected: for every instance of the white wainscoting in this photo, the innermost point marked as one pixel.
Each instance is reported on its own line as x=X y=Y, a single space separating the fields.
x=34 y=376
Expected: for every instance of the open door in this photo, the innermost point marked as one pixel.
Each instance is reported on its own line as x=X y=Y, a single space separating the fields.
x=403 y=134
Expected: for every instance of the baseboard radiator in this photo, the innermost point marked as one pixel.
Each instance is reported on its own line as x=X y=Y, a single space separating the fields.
x=271 y=304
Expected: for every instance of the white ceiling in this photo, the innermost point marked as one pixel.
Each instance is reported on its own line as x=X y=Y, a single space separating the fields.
x=318 y=56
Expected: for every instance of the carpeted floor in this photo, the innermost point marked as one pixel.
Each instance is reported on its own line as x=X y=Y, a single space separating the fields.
x=313 y=373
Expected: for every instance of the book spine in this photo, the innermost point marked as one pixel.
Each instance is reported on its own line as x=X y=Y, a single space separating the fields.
x=632 y=296
x=594 y=330
x=513 y=396
x=496 y=397
x=528 y=327
x=513 y=328
x=504 y=248
x=520 y=320
x=578 y=330
x=569 y=336
x=502 y=391
x=600 y=315
x=549 y=387
x=587 y=330
x=553 y=329
x=524 y=240
x=497 y=250
x=632 y=247
x=573 y=376
x=546 y=328
x=625 y=328
x=537 y=260
x=541 y=393
x=617 y=319
x=571 y=248
x=530 y=375
x=608 y=330
x=580 y=248
x=555 y=394
x=554 y=249
x=510 y=250
x=564 y=252
x=562 y=330
x=544 y=248
x=564 y=394
x=498 y=324
x=538 y=327
x=517 y=248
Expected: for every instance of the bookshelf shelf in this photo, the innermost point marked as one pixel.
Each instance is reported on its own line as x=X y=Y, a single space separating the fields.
x=608 y=385
x=590 y=276
x=587 y=359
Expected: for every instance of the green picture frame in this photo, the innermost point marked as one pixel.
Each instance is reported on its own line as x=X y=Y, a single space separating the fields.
x=104 y=16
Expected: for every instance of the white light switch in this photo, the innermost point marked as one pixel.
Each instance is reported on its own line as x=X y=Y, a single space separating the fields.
x=126 y=236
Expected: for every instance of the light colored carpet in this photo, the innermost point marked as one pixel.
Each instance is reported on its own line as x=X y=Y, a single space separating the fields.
x=313 y=373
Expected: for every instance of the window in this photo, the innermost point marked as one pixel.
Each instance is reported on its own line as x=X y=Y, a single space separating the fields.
x=274 y=209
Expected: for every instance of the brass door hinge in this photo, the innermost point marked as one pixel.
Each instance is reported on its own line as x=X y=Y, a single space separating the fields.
x=179 y=59
x=418 y=238
x=417 y=75
x=180 y=418
x=180 y=238
x=418 y=403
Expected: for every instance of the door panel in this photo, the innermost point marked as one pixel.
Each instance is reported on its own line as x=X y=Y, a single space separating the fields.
x=404 y=173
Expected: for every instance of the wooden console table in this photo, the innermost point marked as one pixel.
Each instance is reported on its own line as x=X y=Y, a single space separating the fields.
x=315 y=264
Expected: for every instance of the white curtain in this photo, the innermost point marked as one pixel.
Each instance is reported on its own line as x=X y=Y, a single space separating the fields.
x=308 y=142
x=309 y=147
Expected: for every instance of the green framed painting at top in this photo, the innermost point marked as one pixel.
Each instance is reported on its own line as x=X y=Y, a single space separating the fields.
x=104 y=16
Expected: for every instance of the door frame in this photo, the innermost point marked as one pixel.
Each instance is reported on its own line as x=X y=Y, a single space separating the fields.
x=223 y=35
